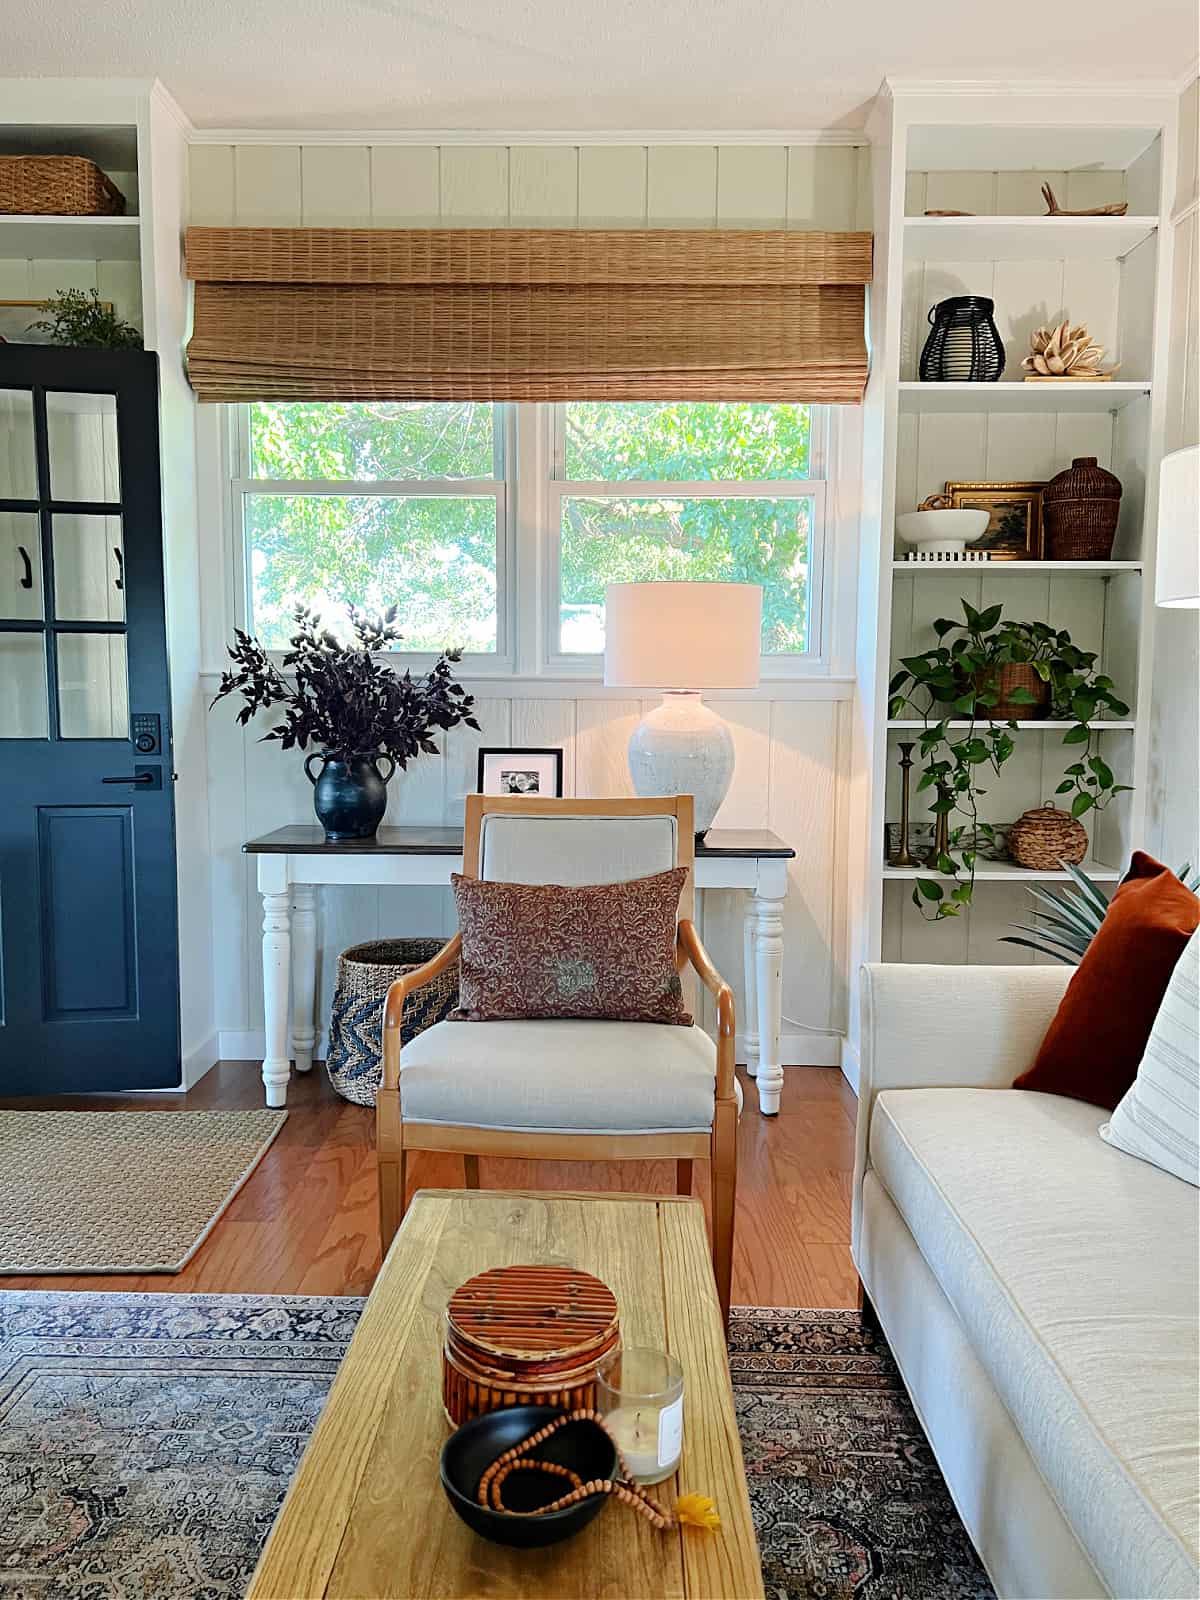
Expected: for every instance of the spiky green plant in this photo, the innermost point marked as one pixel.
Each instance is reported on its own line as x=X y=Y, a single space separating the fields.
x=1069 y=918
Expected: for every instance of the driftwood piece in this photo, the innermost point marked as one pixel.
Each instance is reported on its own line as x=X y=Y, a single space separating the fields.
x=1053 y=209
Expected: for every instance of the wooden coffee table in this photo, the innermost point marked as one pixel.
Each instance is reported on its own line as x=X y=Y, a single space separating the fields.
x=366 y=1516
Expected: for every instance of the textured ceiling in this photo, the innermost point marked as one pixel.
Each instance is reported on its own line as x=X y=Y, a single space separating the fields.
x=579 y=64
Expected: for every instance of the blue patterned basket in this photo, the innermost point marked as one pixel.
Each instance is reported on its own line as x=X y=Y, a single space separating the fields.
x=365 y=974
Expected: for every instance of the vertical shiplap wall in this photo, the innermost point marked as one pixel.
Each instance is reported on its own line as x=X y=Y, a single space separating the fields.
x=481 y=186
x=790 y=753
x=1174 y=810
x=118 y=281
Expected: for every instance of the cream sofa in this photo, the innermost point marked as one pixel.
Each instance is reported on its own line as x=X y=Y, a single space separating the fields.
x=1037 y=1287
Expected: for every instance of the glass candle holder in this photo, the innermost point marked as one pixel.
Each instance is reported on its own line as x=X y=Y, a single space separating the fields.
x=639 y=1393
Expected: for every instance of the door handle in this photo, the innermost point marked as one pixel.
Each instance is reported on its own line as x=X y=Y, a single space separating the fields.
x=143 y=778
x=119 y=580
x=147 y=777
x=26 y=580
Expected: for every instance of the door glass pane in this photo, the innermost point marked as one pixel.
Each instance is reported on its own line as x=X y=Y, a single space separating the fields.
x=89 y=568
x=93 y=690
x=83 y=446
x=24 y=713
x=18 y=460
x=20 y=566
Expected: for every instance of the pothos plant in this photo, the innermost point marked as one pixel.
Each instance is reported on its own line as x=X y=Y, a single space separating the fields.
x=959 y=680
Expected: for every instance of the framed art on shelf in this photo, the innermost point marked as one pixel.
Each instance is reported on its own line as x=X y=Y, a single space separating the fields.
x=16 y=316
x=1014 y=530
x=519 y=772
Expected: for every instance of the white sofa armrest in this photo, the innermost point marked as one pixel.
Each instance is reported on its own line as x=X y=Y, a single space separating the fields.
x=953 y=1027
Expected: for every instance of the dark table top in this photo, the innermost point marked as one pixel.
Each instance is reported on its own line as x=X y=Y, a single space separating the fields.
x=308 y=839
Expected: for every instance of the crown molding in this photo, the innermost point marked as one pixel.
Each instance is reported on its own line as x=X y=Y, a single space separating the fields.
x=162 y=97
x=1065 y=89
x=488 y=136
x=1189 y=77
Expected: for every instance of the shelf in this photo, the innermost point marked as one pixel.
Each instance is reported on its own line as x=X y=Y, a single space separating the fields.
x=931 y=398
x=1095 y=569
x=70 y=238
x=1021 y=147
x=1008 y=872
x=1024 y=238
x=1042 y=725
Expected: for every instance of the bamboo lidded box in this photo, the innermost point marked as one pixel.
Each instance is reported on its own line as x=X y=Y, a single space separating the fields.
x=526 y=1336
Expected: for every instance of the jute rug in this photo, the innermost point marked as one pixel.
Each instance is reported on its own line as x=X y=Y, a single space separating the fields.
x=146 y=1442
x=120 y=1191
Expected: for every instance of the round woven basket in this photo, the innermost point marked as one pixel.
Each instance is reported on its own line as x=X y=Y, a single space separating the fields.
x=1017 y=675
x=1080 y=507
x=365 y=974
x=1044 y=838
x=526 y=1336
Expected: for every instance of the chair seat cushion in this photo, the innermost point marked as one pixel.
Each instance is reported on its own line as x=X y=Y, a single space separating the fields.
x=560 y=1076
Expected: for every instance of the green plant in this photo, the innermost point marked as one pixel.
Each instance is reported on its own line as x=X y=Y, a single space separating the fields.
x=85 y=321
x=958 y=680
x=1069 y=918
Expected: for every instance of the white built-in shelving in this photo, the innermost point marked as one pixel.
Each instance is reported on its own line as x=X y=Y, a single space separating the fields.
x=70 y=238
x=987 y=151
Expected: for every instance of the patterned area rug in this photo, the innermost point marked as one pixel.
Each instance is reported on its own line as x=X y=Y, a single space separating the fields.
x=146 y=1442
x=120 y=1191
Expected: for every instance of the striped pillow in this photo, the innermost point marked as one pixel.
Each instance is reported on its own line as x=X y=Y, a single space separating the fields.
x=1159 y=1115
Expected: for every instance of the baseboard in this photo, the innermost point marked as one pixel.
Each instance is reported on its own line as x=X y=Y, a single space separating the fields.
x=200 y=1059
x=849 y=1064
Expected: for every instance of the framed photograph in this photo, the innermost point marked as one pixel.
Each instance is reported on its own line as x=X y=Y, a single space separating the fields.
x=533 y=772
x=1014 y=530
x=16 y=315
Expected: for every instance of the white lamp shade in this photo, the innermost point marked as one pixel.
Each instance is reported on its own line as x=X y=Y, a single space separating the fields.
x=682 y=635
x=1177 y=571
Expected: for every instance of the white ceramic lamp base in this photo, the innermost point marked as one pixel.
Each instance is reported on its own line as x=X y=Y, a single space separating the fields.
x=681 y=747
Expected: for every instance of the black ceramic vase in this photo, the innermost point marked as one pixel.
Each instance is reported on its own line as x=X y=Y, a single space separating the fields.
x=349 y=797
x=965 y=344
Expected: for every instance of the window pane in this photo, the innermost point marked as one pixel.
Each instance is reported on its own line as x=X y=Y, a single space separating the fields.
x=432 y=556
x=388 y=439
x=18 y=461
x=24 y=713
x=684 y=442
x=20 y=565
x=89 y=568
x=84 y=463
x=634 y=540
x=93 y=686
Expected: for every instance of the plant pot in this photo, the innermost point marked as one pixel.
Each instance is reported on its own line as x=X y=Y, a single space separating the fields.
x=1015 y=675
x=349 y=796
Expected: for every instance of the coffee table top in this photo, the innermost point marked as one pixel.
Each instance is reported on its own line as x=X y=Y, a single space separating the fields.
x=366 y=1514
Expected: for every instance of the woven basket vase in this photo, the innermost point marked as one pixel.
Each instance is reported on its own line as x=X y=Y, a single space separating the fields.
x=1080 y=507
x=366 y=972
x=57 y=186
x=1042 y=839
x=1017 y=675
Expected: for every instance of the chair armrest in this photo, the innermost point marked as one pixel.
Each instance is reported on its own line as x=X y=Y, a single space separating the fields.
x=394 y=1005
x=689 y=949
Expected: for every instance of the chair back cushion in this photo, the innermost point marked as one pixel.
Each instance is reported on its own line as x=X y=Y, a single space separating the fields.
x=574 y=850
x=600 y=951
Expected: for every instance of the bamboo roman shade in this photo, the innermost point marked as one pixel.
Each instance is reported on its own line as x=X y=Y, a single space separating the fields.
x=527 y=314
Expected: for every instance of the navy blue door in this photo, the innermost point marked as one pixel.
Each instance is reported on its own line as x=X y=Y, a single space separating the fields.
x=89 y=977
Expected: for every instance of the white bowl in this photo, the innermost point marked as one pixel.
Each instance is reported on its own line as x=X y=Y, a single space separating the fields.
x=941 y=532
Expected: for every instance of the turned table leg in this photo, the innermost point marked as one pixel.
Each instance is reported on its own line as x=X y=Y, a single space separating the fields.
x=304 y=962
x=768 y=968
x=750 y=978
x=276 y=957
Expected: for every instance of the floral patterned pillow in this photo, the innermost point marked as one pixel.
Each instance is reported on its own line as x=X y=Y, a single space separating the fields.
x=604 y=950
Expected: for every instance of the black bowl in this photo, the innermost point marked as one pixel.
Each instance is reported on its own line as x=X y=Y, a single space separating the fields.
x=468 y=1452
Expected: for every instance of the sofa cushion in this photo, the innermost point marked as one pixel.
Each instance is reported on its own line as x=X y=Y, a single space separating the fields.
x=560 y=1076
x=1074 y=1273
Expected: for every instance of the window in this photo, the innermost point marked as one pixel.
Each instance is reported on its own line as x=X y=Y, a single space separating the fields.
x=699 y=490
x=408 y=504
x=375 y=504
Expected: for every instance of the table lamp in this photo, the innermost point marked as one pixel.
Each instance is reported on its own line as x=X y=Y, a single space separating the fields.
x=681 y=638
x=1177 y=572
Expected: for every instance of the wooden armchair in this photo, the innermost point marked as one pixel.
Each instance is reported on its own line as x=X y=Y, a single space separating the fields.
x=565 y=1090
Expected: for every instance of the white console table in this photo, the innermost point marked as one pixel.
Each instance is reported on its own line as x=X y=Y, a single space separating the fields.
x=294 y=862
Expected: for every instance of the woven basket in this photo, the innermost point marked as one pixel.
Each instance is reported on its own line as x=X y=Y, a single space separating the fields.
x=1016 y=675
x=1042 y=839
x=526 y=1336
x=365 y=974
x=1080 y=507
x=57 y=186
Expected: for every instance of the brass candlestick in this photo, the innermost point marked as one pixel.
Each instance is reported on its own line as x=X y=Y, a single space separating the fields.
x=902 y=858
x=941 y=832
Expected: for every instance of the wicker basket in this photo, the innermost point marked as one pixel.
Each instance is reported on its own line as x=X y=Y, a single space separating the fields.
x=1016 y=675
x=365 y=974
x=526 y=1336
x=1080 y=507
x=57 y=186
x=1044 y=838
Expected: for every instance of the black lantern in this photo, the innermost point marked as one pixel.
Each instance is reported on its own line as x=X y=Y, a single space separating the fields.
x=964 y=346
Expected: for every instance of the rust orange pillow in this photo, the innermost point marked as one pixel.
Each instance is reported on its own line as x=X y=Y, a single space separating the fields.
x=602 y=951
x=1098 y=1037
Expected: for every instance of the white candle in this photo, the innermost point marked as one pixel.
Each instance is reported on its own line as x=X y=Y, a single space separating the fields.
x=649 y=1437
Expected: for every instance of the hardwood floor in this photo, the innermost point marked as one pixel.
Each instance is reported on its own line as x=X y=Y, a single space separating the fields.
x=306 y=1222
